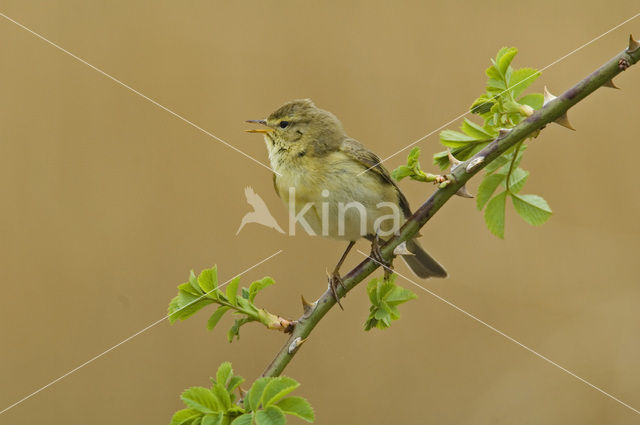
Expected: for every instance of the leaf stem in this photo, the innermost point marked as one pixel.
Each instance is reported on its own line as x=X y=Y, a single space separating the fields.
x=513 y=161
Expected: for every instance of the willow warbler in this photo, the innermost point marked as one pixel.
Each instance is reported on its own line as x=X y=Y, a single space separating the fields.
x=336 y=185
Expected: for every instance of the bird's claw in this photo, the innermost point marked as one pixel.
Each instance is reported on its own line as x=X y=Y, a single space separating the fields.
x=376 y=254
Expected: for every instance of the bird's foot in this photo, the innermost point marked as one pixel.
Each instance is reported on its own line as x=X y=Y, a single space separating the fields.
x=376 y=254
x=335 y=280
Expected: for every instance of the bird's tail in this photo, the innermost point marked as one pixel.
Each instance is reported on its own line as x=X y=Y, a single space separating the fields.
x=421 y=263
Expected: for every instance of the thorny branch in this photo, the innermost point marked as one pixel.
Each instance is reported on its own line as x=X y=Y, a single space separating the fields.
x=555 y=109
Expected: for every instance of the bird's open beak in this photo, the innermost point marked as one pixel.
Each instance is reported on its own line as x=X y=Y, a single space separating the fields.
x=259 y=130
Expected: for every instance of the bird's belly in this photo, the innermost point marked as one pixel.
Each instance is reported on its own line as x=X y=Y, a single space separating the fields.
x=341 y=203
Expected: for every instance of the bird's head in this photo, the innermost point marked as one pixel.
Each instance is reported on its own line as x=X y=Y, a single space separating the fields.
x=300 y=126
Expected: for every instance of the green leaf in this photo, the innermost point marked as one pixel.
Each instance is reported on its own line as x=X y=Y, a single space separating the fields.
x=222 y=396
x=482 y=105
x=245 y=419
x=216 y=316
x=532 y=208
x=454 y=139
x=413 y=157
x=270 y=416
x=504 y=58
x=200 y=399
x=234 y=383
x=441 y=159
x=399 y=295
x=184 y=305
x=253 y=397
x=213 y=419
x=187 y=287
x=535 y=100
x=224 y=372
x=489 y=185
x=194 y=282
x=232 y=289
x=401 y=172
x=493 y=72
x=189 y=304
x=372 y=291
x=496 y=84
x=521 y=79
x=174 y=308
x=184 y=416
x=208 y=279
x=245 y=306
x=517 y=180
x=235 y=328
x=480 y=133
x=258 y=286
x=297 y=406
x=385 y=296
x=278 y=388
x=494 y=214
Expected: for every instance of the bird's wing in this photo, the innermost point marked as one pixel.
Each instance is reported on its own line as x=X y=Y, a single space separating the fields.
x=371 y=162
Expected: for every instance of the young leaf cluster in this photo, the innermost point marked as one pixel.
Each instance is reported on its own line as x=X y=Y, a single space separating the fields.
x=506 y=177
x=204 y=289
x=266 y=402
x=502 y=106
x=412 y=169
x=385 y=296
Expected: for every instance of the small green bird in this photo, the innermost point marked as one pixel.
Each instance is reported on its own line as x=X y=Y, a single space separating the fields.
x=335 y=185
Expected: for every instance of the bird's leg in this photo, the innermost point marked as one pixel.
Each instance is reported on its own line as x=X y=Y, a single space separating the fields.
x=376 y=254
x=334 y=278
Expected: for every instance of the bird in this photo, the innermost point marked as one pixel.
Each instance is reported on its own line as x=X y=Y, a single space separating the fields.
x=331 y=181
x=260 y=213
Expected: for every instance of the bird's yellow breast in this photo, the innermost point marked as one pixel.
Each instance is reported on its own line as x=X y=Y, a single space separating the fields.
x=332 y=184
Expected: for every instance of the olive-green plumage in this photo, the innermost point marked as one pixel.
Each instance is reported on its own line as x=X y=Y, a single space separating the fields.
x=311 y=153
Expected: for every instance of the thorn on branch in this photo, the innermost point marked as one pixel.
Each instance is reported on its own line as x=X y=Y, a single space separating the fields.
x=453 y=160
x=563 y=119
x=610 y=85
x=295 y=344
x=307 y=307
x=464 y=193
x=455 y=163
x=633 y=44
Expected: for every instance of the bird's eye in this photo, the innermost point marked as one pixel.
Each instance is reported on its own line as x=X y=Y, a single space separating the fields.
x=284 y=124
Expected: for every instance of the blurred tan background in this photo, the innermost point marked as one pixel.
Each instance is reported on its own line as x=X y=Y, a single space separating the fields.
x=108 y=201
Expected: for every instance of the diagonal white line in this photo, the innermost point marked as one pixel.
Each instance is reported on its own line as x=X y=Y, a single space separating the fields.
x=91 y=360
x=175 y=114
x=468 y=112
x=499 y=332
